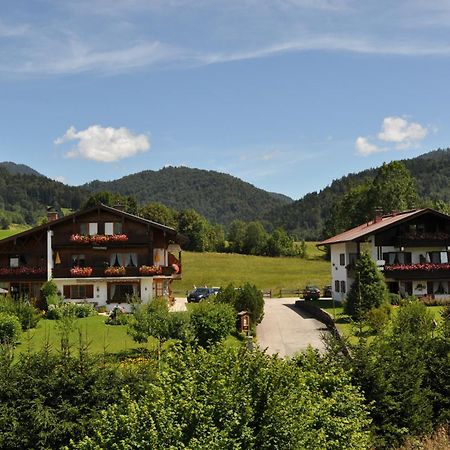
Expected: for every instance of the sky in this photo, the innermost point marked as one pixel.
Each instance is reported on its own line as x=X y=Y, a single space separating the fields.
x=285 y=94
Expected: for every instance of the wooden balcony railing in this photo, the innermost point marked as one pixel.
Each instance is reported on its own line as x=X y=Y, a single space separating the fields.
x=99 y=272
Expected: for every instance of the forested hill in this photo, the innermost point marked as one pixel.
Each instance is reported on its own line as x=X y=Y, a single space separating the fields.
x=220 y=197
x=23 y=198
x=18 y=169
x=306 y=217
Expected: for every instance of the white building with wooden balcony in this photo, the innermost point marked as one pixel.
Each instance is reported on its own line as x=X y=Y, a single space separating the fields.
x=411 y=248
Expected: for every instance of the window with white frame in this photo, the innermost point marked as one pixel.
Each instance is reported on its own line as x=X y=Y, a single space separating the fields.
x=93 y=228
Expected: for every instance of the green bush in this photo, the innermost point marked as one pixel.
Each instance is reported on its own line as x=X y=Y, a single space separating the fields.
x=377 y=318
x=10 y=328
x=116 y=317
x=245 y=298
x=26 y=313
x=77 y=310
x=212 y=322
x=394 y=299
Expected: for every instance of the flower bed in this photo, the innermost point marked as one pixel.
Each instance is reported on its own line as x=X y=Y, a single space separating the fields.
x=81 y=271
x=427 y=267
x=115 y=271
x=150 y=270
x=25 y=270
x=98 y=238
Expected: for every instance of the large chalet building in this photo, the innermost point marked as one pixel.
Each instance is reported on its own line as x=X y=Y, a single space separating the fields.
x=101 y=255
x=411 y=248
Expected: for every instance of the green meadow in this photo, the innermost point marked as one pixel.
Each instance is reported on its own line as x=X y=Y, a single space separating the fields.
x=220 y=269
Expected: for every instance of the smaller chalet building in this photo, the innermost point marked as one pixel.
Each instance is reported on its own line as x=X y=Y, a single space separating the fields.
x=411 y=248
x=101 y=255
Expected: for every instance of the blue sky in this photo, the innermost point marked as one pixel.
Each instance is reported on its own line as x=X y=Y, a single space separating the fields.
x=285 y=94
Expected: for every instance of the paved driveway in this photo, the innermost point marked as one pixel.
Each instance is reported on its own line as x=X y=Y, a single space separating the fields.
x=285 y=330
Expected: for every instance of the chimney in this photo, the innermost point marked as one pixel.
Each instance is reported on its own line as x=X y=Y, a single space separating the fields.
x=378 y=215
x=52 y=214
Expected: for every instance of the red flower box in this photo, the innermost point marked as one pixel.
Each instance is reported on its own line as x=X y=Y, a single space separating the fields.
x=115 y=271
x=81 y=271
x=150 y=270
x=24 y=270
x=98 y=239
x=427 y=267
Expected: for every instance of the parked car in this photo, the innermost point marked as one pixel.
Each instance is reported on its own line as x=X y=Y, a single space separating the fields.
x=311 y=293
x=327 y=291
x=199 y=294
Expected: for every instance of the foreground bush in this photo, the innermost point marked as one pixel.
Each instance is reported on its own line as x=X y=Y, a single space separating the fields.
x=230 y=399
x=211 y=323
x=10 y=329
x=27 y=314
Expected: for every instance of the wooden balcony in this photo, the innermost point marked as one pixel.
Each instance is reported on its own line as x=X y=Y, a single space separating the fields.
x=426 y=239
x=421 y=271
x=133 y=241
x=23 y=274
x=99 y=272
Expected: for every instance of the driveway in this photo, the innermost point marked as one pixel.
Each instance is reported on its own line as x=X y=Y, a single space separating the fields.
x=286 y=330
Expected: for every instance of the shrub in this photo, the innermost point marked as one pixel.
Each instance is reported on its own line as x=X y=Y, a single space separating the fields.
x=76 y=310
x=394 y=299
x=212 y=322
x=26 y=313
x=116 y=317
x=10 y=328
x=245 y=298
x=377 y=318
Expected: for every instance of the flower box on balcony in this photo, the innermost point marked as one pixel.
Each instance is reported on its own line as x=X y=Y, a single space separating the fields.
x=150 y=270
x=427 y=267
x=80 y=238
x=81 y=271
x=98 y=239
x=24 y=270
x=115 y=271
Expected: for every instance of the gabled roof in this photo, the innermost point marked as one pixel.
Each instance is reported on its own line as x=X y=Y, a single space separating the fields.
x=362 y=231
x=100 y=206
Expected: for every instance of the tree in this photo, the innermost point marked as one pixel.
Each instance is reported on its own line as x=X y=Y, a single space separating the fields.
x=159 y=213
x=368 y=290
x=393 y=188
x=236 y=235
x=255 y=239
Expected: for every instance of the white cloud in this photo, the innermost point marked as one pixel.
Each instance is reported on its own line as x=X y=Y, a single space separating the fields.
x=365 y=148
x=401 y=132
x=104 y=144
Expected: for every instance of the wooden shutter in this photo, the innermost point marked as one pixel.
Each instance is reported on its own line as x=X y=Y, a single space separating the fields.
x=89 y=291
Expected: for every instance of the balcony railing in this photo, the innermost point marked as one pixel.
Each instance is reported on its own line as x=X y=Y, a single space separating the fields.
x=423 y=239
x=100 y=241
x=112 y=272
x=23 y=273
x=414 y=271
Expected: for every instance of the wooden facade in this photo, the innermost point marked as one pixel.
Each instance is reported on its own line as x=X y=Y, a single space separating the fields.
x=101 y=254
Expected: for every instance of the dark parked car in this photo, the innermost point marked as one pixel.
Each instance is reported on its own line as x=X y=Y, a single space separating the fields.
x=199 y=294
x=311 y=293
x=327 y=291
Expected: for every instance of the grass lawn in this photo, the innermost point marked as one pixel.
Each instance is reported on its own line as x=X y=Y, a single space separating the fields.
x=100 y=337
x=220 y=269
x=13 y=229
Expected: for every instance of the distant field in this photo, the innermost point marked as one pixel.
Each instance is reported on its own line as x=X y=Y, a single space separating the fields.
x=14 y=229
x=220 y=269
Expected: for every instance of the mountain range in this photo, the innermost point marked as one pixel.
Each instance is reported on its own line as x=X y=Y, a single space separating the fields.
x=220 y=197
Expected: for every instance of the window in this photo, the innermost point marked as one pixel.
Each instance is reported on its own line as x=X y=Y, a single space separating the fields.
x=93 y=228
x=78 y=261
x=14 y=262
x=121 y=293
x=109 y=228
x=78 y=291
x=343 y=287
x=352 y=257
x=437 y=257
x=123 y=259
x=113 y=228
x=342 y=259
x=336 y=285
x=397 y=257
